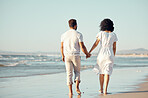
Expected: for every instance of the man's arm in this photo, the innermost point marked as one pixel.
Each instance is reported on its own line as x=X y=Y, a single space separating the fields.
x=83 y=48
x=63 y=57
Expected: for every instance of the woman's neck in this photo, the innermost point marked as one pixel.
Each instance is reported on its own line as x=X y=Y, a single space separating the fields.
x=107 y=31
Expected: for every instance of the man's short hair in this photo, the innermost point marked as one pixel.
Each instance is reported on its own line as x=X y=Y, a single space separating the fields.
x=72 y=23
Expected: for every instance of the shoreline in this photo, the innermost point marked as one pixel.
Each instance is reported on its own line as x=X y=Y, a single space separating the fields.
x=58 y=54
x=40 y=85
x=83 y=68
x=140 y=92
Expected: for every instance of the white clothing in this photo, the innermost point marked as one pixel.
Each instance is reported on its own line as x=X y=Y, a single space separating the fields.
x=72 y=62
x=105 y=59
x=71 y=39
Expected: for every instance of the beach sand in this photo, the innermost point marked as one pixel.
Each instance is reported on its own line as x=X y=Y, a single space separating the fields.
x=122 y=84
x=141 y=92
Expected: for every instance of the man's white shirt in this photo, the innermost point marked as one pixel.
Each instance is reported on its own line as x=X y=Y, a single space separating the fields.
x=71 y=39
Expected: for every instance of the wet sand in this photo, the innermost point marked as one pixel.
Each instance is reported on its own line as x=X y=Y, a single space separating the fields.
x=54 y=85
x=141 y=92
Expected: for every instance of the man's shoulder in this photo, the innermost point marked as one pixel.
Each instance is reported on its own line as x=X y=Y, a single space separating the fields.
x=74 y=31
x=80 y=34
x=64 y=33
x=71 y=31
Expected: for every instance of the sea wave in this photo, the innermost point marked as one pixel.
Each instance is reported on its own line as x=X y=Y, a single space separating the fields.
x=11 y=64
x=15 y=76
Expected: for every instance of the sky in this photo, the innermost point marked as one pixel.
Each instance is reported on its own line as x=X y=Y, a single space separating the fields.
x=37 y=25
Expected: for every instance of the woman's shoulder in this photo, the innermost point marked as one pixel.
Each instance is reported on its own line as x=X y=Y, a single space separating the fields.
x=114 y=34
x=101 y=32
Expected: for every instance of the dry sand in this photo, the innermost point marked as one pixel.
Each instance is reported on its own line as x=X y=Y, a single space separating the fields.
x=141 y=92
x=132 y=55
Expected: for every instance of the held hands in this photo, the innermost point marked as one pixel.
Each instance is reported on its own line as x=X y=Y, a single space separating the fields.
x=88 y=55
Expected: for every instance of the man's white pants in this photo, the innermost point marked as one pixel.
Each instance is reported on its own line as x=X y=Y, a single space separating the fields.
x=72 y=62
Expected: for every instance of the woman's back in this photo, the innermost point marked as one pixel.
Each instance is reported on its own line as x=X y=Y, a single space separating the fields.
x=106 y=44
x=107 y=39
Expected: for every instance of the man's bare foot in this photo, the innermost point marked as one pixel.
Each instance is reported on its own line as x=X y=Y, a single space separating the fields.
x=101 y=91
x=70 y=95
x=78 y=91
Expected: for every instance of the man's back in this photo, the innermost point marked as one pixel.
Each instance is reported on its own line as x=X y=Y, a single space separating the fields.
x=71 y=39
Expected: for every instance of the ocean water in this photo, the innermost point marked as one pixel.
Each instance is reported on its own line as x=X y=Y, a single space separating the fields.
x=24 y=65
x=43 y=75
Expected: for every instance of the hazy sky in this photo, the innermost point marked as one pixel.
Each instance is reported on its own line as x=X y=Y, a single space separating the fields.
x=37 y=25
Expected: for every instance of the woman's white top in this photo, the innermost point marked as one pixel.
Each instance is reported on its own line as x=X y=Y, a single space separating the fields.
x=105 y=59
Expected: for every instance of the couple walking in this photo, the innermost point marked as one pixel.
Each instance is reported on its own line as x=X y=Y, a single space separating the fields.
x=72 y=41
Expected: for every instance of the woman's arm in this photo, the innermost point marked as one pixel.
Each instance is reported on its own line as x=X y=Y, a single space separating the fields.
x=114 y=48
x=94 y=45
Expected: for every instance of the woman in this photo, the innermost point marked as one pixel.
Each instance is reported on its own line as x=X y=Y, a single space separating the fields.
x=105 y=59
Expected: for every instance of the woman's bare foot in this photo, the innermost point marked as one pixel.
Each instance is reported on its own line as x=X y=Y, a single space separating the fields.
x=78 y=91
x=70 y=95
x=101 y=91
x=105 y=93
x=70 y=92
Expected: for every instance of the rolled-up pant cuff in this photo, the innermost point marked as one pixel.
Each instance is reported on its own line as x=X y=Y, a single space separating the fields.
x=69 y=84
x=77 y=80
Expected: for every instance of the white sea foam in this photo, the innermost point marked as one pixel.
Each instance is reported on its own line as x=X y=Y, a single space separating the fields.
x=4 y=58
x=138 y=71
x=44 y=60
x=23 y=61
x=12 y=64
x=37 y=60
x=57 y=60
x=14 y=58
x=31 y=58
x=53 y=55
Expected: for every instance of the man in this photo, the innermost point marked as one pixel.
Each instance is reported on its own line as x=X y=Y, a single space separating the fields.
x=71 y=42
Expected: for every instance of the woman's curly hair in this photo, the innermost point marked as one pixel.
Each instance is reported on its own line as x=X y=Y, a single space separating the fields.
x=107 y=24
